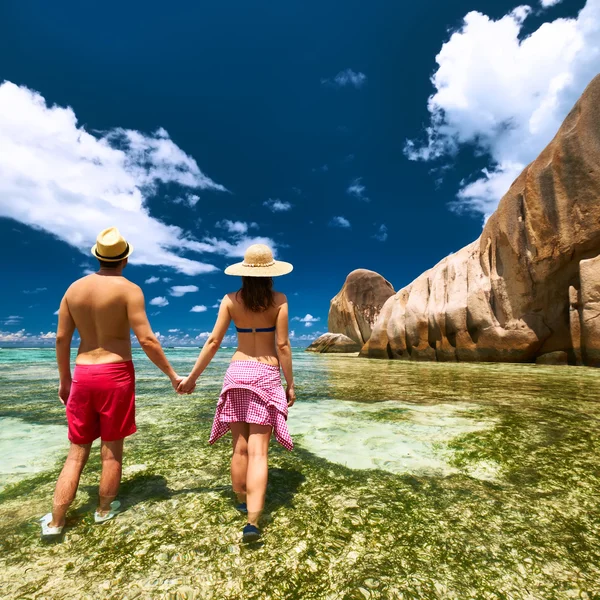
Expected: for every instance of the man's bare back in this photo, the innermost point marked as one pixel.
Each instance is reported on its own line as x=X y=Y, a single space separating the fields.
x=99 y=306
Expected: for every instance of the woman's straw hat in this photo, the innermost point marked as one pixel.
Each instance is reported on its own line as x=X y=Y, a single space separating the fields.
x=111 y=246
x=258 y=262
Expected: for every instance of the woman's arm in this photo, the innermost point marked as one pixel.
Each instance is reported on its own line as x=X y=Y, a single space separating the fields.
x=284 y=351
x=210 y=347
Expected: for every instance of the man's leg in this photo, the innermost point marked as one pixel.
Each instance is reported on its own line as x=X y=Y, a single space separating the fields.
x=256 y=483
x=239 y=460
x=112 y=466
x=68 y=482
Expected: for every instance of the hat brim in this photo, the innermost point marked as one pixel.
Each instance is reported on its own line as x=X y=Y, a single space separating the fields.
x=95 y=255
x=275 y=270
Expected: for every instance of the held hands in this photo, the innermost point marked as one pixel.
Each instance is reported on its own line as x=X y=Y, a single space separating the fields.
x=187 y=385
x=290 y=394
x=175 y=381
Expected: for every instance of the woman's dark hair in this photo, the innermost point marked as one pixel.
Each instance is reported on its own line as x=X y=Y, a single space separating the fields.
x=257 y=293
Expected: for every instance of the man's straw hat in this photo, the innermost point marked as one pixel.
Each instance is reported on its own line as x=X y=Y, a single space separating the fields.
x=111 y=246
x=258 y=262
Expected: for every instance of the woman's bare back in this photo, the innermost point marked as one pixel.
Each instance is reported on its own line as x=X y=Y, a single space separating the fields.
x=255 y=345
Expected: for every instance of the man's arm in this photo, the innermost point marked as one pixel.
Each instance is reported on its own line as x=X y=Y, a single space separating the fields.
x=138 y=321
x=210 y=347
x=64 y=335
x=284 y=351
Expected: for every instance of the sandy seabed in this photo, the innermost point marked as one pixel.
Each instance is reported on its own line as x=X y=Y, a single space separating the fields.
x=409 y=480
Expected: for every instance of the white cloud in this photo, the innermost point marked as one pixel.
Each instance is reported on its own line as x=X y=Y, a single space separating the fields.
x=58 y=177
x=89 y=271
x=237 y=227
x=548 y=3
x=180 y=290
x=25 y=338
x=506 y=95
x=357 y=189
x=277 y=205
x=339 y=222
x=173 y=330
x=233 y=249
x=12 y=320
x=152 y=279
x=382 y=233
x=308 y=320
x=159 y=301
x=166 y=279
x=55 y=312
x=35 y=291
x=216 y=304
x=347 y=77
x=199 y=308
x=190 y=199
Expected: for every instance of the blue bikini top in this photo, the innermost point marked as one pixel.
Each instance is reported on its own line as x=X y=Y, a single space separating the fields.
x=257 y=330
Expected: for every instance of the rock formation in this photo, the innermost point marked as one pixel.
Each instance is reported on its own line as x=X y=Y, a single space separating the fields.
x=530 y=285
x=353 y=311
x=334 y=342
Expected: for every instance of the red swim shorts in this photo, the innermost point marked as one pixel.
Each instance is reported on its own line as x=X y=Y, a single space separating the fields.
x=102 y=403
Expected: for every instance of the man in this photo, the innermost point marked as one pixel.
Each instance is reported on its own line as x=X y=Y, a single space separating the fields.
x=100 y=398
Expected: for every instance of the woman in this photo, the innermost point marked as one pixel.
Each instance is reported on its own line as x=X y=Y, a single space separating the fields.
x=253 y=402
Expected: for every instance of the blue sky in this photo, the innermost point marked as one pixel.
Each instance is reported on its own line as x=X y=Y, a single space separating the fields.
x=375 y=135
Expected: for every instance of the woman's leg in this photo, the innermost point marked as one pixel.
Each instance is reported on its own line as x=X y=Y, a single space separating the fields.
x=239 y=460
x=256 y=483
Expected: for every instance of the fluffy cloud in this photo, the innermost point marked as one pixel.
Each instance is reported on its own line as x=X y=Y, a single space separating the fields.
x=152 y=279
x=180 y=290
x=382 y=233
x=308 y=320
x=357 y=189
x=173 y=330
x=198 y=309
x=233 y=249
x=547 y=3
x=347 y=77
x=238 y=227
x=506 y=95
x=339 y=222
x=58 y=177
x=159 y=301
x=190 y=199
x=24 y=338
x=277 y=205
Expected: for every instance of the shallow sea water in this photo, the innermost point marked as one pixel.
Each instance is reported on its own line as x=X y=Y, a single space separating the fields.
x=409 y=480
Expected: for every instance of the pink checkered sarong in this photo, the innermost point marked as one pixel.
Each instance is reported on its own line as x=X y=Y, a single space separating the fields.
x=252 y=393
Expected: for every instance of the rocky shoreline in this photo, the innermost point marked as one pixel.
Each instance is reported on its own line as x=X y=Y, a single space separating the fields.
x=527 y=290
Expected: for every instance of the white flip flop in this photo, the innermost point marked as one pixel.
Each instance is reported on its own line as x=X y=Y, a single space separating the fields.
x=48 y=531
x=114 y=511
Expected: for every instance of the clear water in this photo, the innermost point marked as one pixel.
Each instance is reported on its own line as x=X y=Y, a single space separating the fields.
x=409 y=480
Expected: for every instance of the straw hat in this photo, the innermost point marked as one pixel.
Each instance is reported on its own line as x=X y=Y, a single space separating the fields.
x=111 y=246
x=258 y=262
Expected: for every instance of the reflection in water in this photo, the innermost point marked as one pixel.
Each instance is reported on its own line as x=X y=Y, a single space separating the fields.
x=410 y=480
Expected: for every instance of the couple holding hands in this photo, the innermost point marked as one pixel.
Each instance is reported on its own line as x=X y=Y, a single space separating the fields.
x=100 y=395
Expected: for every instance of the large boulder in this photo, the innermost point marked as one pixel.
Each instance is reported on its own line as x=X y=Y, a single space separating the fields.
x=530 y=285
x=334 y=342
x=355 y=309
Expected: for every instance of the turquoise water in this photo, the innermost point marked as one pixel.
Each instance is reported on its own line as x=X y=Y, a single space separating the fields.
x=409 y=480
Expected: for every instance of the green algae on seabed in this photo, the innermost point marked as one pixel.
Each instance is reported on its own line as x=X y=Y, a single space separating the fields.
x=531 y=531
